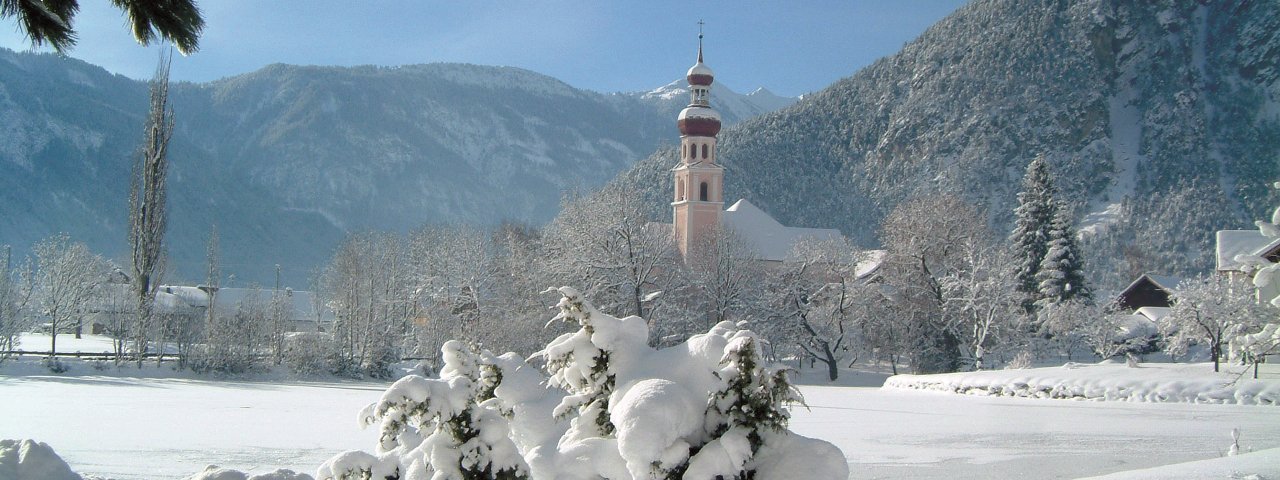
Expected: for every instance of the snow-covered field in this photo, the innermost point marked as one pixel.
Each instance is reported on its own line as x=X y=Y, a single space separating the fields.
x=110 y=425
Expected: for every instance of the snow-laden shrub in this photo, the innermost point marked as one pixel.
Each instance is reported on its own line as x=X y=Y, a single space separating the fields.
x=214 y=472
x=446 y=428
x=307 y=353
x=604 y=405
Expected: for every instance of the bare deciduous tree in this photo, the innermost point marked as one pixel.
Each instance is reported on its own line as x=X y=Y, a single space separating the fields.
x=147 y=205
x=66 y=276
x=927 y=238
x=816 y=301
x=15 y=291
x=606 y=243
x=727 y=276
x=1211 y=311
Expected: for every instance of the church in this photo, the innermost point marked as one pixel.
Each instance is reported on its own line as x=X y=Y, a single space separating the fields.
x=698 y=205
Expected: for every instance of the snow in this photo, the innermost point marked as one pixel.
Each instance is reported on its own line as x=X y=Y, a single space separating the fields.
x=26 y=459
x=1233 y=243
x=172 y=428
x=870 y=261
x=1153 y=382
x=1257 y=465
x=909 y=434
x=1153 y=314
x=124 y=427
x=772 y=240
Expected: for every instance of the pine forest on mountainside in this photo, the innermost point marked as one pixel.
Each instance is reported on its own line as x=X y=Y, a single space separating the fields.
x=1169 y=110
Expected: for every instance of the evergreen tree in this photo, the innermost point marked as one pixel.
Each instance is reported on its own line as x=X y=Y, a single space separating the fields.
x=451 y=427
x=1061 y=275
x=747 y=409
x=1030 y=238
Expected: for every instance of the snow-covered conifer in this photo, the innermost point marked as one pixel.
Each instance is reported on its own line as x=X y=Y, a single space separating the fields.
x=446 y=428
x=747 y=408
x=579 y=362
x=1034 y=216
x=1061 y=273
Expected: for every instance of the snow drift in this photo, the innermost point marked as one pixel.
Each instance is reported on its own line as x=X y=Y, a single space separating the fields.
x=1106 y=381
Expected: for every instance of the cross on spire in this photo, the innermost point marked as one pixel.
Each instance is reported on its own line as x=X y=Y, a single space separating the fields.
x=700 y=24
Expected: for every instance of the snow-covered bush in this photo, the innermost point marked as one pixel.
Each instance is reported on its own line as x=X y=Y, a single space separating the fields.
x=607 y=406
x=307 y=353
x=214 y=472
x=448 y=428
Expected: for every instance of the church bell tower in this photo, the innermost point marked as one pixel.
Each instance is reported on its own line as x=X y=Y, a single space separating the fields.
x=699 y=180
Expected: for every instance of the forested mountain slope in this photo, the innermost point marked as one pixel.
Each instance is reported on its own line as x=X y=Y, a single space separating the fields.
x=1168 y=112
x=287 y=159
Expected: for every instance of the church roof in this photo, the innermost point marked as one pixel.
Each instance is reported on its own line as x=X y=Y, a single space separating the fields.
x=772 y=240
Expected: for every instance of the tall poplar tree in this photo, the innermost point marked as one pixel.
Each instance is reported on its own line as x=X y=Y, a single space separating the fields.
x=148 y=216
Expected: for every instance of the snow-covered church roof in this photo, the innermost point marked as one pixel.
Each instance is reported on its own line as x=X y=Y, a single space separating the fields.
x=772 y=240
x=1242 y=242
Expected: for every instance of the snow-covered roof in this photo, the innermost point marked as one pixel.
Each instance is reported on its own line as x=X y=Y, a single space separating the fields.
x=118 y=297
x=1137 y=326
x=1167 y=282
x=772 y=240
x=227 y=299
x=1153 y=313
x=869 y=262
x=1241 y=242
x=700 y=69
x=698 y=111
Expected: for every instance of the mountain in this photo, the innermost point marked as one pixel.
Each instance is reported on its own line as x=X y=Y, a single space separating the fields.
x=287 y=159
x=734 y=107
x=1161 y=120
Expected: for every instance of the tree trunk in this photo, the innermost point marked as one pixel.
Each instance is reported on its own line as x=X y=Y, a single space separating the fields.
x=1216 y=351
x=832 y=364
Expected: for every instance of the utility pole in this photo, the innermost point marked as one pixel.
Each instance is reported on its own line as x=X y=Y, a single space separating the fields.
x=277 y=277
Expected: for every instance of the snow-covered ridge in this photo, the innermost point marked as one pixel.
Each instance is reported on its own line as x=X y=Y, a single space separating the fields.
x=734 y=107
x=1106 y=381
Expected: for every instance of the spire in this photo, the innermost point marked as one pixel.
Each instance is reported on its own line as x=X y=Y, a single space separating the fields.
x=699 y=119
x=700 y=24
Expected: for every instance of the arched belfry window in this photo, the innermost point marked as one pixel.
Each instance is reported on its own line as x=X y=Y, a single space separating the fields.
x=702 y=191
x=680 y=190
x=704 y=151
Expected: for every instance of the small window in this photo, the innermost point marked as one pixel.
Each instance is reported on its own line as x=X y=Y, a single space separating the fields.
x=702 y=191
x=704 y=151
x=684 y=151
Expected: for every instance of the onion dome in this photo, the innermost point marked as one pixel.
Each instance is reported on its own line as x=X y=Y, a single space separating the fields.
x=700 y=73
x=698 y=121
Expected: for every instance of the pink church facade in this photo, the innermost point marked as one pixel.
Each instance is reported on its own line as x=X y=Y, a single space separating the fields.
x=698 y=201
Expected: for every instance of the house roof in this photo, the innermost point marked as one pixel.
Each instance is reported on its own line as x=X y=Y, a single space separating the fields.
x=1168 y=282
x=227 y=299
x=771 y=240
x=1232 y=243
x=1153 y=313
x=118 y=297
x=869 y=262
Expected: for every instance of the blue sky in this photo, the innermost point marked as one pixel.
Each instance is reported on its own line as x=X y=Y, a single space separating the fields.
x=790 y=47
